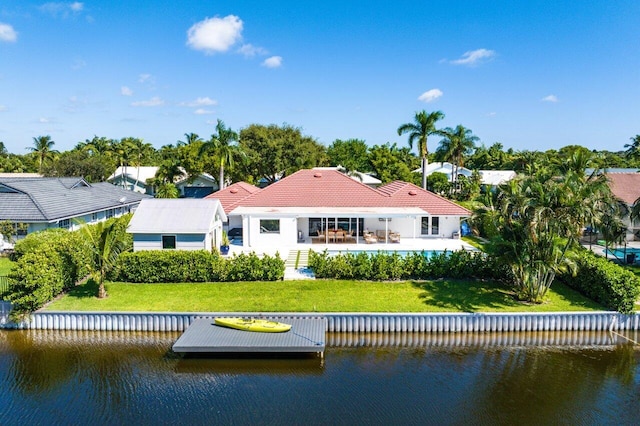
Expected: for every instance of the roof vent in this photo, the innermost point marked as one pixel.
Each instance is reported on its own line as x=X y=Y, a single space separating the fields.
x=317 y=175
x=413 y=192
x=233 y=190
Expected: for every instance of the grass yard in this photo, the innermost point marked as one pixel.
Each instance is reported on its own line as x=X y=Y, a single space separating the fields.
x=5 y=266
x=316 y=296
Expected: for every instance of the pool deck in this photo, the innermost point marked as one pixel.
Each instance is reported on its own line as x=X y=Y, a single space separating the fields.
x=405 y=244
x=307 y=335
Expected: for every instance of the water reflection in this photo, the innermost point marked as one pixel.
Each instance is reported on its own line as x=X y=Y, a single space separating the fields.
x=67 y=377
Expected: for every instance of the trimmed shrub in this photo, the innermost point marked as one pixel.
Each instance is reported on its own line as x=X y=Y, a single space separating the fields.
x=159 y=266
x=384 y=266
x=605 y=282
x=162 y=266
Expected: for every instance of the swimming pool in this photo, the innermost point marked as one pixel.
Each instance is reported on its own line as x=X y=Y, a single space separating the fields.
x=401 y=253
x=631 y=253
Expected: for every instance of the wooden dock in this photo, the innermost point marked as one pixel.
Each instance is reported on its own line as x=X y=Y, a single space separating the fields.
x=203 y=336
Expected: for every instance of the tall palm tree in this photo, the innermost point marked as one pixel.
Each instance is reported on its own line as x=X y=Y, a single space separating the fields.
x=424 y=125
x=221 y=146
x=42 y=149
x=455 y=146
x=139 y=152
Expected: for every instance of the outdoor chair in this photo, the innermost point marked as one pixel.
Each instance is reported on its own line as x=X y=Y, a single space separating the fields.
x=381 y=235
x=339 y=236
x=369 y=237
x=394 y=237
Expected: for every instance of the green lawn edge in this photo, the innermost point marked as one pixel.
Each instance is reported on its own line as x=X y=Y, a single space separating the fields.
x=317 y=296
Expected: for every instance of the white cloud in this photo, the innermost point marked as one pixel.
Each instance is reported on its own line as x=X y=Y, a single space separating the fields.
x=202 y=111
x=125 y=91
x=491 y=114
x=273 y=62
x=60 y=9
x=430 y=95
x=7 y=33
x=206 y=101
x=215 y=34
x=143 y=78
x=153 y=102
x=550 y=98
x=44 y=120
x=475 y=57
x=249 y=50
x=3 y=108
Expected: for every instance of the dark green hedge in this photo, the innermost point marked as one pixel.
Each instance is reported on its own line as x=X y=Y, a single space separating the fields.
x=162 y=266
x=605 y=282
x=47 y=263
x=382 y=266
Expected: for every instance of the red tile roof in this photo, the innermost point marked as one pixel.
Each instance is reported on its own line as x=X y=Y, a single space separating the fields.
x=330 y=188
x=625 y=186
x=409 y=195
x=231 y=195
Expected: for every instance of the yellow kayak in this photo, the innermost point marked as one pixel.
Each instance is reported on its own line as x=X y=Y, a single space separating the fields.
x=251 y=324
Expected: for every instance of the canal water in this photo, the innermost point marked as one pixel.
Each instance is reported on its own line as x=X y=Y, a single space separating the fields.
x=127 y=378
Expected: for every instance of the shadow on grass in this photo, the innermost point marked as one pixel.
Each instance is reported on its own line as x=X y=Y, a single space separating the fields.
x=87 y=290
x=466 y=296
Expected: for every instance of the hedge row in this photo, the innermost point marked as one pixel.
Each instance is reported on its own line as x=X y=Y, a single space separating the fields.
x=382 y=266
x=164 y=266
x=605 y=282
x=47 y=263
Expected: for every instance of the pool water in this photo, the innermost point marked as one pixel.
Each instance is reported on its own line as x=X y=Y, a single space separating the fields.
x=401 y=253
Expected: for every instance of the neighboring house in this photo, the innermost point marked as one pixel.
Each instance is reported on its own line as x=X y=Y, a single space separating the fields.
x=365 y=178
x=41 y=203
x=136 y=178
x=180 y=224
x=626 y=187
x=487 y=177
x=309 y=202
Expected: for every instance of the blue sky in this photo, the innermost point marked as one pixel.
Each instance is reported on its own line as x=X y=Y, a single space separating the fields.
x=527 y=74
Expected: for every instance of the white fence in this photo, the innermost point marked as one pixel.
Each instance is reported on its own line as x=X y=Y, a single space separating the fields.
x=339 y=322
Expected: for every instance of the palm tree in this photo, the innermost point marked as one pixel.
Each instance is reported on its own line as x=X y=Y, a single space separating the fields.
x=221 y=145
x=457 y=144
x=107 y=240
x=633 y=148
x=42 y=149
x=190 y=138
x=540 y=221
x=139 y=152
x=424 y=124
x=3 y=149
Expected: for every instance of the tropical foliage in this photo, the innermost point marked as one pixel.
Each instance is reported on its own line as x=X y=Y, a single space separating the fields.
x=535 y=222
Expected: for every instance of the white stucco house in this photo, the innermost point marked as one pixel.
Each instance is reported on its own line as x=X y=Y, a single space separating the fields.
x=487 y=177
x=177 y=224
x=309 y=204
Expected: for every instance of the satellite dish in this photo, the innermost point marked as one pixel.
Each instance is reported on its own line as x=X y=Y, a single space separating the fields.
x=123 y=199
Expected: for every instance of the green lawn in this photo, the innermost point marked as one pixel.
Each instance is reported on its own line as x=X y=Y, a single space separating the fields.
x=316 y=296
x=5 y=265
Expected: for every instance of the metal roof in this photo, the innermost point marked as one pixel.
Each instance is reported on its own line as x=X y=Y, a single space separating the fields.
x=176 y=216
